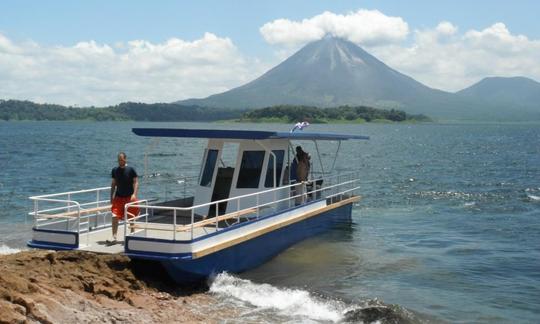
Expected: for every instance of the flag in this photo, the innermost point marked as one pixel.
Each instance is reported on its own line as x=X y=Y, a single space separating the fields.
x=300 y=126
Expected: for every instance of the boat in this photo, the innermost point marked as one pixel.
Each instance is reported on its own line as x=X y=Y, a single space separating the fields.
x=241 y=214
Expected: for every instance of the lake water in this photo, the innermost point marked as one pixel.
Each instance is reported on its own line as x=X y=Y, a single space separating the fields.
x=448 y=229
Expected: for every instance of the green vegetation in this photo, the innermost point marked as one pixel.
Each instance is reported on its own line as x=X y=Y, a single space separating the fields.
x=26 y=110
x=343 y=114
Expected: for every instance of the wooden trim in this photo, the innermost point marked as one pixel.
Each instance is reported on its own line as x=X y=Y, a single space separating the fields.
x=213 y=220
x=208 y=221
x=75 y=213
x=224 y=245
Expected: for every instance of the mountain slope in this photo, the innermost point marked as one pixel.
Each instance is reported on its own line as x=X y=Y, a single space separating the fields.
x=519 y=91
x=329 y=72
x=332 y=72
x=515 y=98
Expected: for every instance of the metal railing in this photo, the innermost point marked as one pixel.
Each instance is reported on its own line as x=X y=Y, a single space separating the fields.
x=72 y=210
x=83 y=211
x=240 y=208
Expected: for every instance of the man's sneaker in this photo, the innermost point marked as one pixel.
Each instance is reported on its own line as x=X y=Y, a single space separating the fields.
x=111 y=242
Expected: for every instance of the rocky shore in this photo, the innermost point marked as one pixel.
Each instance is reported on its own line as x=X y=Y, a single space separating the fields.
x=82 y=287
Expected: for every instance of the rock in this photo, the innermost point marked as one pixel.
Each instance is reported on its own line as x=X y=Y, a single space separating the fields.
x=382 y=314
x=51 y=257
x=82 y=287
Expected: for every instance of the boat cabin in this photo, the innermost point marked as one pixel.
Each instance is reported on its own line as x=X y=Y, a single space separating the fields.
x=256 y=166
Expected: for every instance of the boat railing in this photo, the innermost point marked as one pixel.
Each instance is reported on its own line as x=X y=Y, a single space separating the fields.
x=205 y=218
x=74 y=211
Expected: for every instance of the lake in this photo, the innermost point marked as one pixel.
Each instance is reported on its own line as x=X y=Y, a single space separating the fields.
x=448 y=229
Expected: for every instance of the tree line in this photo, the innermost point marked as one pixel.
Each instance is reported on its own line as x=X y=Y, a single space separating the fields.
x=314 y=114
x=27 y=110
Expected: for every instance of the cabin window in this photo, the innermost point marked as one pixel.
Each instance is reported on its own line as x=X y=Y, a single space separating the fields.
x=208 y=172
x=250 y=169
x=270 y=168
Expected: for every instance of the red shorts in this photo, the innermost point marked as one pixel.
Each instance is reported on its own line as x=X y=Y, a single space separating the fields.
x=118 y=207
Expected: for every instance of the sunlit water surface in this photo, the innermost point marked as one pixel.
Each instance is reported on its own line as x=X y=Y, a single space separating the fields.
x=448 y=229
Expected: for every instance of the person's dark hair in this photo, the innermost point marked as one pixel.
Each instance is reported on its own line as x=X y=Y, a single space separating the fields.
x=300 y=154
x=122 y=154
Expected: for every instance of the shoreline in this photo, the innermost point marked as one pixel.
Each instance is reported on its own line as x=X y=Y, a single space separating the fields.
x=40 y=286
x=69 y=286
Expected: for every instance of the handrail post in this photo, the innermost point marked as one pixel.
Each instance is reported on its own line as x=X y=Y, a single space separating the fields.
x=216 y=215
x=97 y=214
x=289 y=193
x=35 y=213
x=174 y=232
x=79 y=217
x=125 y=221
x=192 y=220
x=238 y=209
x=257 y=206
x=78 y=221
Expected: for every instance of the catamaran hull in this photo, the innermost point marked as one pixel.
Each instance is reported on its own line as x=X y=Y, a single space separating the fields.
x=254 y=252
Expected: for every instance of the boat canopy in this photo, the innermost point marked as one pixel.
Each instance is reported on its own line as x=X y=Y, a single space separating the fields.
x=242 y=134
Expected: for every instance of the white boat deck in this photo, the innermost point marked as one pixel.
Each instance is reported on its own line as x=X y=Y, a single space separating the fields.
x=96 y=241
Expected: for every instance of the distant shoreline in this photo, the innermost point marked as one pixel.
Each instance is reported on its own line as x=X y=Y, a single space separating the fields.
x=27 y=110
x=438 y=122
x=15 y=110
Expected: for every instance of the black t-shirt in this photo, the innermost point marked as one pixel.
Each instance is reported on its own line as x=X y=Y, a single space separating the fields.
x=124 y=180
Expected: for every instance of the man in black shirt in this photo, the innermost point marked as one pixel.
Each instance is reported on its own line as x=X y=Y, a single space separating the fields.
x=124 y=187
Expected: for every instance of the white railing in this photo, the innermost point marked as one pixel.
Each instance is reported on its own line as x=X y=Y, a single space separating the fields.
x=83 y=211
x=71 y=210
x=244 y=208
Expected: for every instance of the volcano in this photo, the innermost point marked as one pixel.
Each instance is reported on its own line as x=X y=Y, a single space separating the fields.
x=334 y=72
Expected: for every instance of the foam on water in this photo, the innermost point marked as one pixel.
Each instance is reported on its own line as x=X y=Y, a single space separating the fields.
x=287 y=302
x=4 y=249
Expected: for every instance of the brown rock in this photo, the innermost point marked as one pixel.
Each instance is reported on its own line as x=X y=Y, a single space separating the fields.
x=83 y=287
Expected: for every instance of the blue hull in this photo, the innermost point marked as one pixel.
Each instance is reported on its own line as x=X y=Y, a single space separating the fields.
x=256 y=251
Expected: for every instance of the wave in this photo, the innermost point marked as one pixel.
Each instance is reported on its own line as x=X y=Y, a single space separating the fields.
x=4 y=249
x=288 y=302
x=533 y=198
x=276 y=304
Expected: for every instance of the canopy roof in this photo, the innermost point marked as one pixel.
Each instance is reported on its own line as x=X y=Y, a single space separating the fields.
x=241 y=134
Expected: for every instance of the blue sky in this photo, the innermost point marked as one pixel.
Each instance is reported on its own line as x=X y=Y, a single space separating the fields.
x=68 y=22
x=97 y=34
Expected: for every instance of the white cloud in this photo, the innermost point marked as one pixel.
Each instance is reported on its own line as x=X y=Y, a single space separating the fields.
x=440 y=57
x=368 y=27
x=443 y=59
x=89 y=73
x=446 y=28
